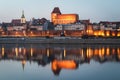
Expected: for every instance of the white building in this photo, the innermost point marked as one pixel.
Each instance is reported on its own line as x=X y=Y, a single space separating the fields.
x=19 y=28
x=96 y=27
x=39 y=27
x=70 y=27
x=16 y=28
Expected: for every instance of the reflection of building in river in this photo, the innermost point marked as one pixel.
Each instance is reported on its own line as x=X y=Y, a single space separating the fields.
x=60 y=57
x=78 y=54
x=23 y=64
x=57 y=65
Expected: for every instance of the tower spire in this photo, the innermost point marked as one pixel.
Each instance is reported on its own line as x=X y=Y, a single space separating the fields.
x=23 y=20
x=23 y=16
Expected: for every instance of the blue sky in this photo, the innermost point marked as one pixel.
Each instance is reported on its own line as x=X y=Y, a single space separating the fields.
x=95 y=10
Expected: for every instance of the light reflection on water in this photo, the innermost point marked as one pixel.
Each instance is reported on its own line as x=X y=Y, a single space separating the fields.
x=59 y=62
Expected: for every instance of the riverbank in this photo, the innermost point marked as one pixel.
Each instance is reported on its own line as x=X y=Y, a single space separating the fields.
x=34 y=40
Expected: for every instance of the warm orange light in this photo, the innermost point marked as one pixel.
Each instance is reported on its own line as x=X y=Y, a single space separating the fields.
x=113 y=51
x=64 y=52
x=31 y=51
x=108 y=51
x=118 y=34
x=96 y=52
x=100 y=53
x=31 y=32
x=64 y=18
x=118 y=50
x=99 y=33
x=89 y=53
x=113 y=33
x=3 y=33
x=16 y=32
x=107 y=33
x=82 y=53
x=66 y=64
x=16 y=51
x=103 y=51
x=3 y=50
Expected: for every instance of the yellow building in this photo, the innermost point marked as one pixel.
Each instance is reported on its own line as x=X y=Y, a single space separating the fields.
x=58 y=18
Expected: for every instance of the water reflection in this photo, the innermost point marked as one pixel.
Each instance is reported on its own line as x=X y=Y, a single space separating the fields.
x=60 y=56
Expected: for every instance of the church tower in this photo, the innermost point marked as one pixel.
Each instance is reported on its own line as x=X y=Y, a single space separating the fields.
x=23 y=20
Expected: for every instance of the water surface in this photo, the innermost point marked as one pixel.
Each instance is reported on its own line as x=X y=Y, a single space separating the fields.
x=59 y=62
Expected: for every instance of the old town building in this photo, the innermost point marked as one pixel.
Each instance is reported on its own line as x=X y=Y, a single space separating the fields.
x=58 y=18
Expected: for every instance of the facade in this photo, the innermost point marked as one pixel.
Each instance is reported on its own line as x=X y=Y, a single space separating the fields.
x=58 y=18
x=70 y=27
x=19 y=28
x=39 y=27
x=37 y=24
x=16 y=28
x=84 y=21
x=110 y=25
x=18 y=24
x=40 y=24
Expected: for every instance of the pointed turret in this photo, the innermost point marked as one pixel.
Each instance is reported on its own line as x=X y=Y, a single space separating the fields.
x=23 y=16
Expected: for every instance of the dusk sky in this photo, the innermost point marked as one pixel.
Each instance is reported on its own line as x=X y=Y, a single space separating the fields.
x=95 y=10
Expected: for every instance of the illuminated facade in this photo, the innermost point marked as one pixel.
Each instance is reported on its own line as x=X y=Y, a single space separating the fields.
x=58 y=18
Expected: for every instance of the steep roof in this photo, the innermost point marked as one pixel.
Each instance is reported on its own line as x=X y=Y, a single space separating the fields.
x=56 y=10
x=23 y=16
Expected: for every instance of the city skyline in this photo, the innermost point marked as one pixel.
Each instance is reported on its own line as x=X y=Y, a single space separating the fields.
x=95 y=10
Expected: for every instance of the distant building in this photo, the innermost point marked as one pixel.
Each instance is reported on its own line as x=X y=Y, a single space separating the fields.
x=19 y=21
x=17 y=24
x=58 y=18
x=36 y=22
x=110 y=25
x=5 y=26
x=89 y=29
x=70 y=27
x=48 y=25
x=85 y=21
x=40 y=24
x=96 y=26
x=37 y=27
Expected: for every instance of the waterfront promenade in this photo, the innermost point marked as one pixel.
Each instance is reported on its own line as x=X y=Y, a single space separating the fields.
x=61 y=40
